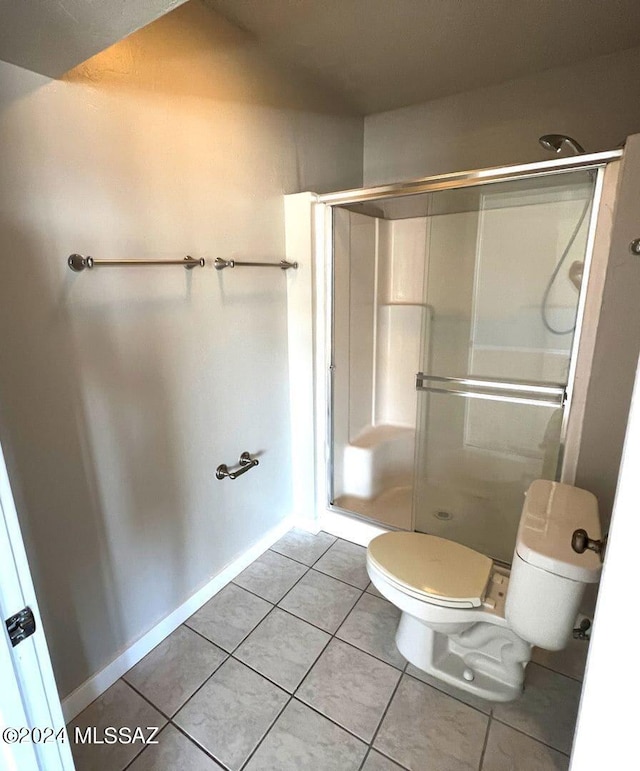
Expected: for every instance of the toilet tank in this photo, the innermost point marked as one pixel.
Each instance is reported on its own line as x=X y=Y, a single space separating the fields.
x=548 y=577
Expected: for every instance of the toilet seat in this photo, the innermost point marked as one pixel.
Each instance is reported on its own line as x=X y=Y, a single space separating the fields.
x=431 y=569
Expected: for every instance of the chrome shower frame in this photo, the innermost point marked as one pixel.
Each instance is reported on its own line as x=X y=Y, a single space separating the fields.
x=457 y=180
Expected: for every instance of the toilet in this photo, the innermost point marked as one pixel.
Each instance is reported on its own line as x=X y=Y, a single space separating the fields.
x=471 y=622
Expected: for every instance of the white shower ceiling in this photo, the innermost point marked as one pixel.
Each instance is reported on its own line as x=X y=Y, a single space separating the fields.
x=384 y=54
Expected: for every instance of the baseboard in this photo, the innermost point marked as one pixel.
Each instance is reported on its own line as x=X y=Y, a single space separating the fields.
x=350 y=528
x=76 y=701
x=311 y=525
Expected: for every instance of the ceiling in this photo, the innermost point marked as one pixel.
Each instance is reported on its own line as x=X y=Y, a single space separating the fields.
x=383 y=54
x=52 y=36
x=373 y=55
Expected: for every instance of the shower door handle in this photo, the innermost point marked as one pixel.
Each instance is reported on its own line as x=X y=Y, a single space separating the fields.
x=495 y=389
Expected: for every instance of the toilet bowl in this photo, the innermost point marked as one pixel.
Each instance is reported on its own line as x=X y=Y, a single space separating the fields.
x=471 y=622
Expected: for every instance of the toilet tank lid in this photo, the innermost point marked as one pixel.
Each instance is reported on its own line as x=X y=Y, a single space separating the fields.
x=551 y=513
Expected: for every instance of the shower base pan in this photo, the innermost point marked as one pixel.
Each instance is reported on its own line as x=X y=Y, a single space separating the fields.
x=392 y=507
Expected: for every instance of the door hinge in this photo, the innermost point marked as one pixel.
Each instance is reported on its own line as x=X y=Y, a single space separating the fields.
x=20 y=626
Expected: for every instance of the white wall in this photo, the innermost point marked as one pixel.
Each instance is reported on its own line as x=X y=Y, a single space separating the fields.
x=609 y=680
x=121 y=390
x=595 y=101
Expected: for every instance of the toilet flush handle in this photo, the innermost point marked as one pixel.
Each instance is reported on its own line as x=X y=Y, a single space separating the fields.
x=580 y=542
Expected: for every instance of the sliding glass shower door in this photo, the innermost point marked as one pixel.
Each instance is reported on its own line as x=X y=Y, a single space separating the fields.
x=503 y=278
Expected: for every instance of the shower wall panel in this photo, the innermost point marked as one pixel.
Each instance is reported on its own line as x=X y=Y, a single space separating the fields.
x=508 y=338
x=355 y=242
x=378 y=320
x=362 y=281
x=400 y=319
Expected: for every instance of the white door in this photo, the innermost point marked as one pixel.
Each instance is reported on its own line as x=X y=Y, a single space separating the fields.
x=32 y=734
x=607 y=731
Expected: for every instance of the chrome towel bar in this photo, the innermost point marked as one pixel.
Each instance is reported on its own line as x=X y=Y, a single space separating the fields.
x=495 y=389
x=245 y=462
x=221 y=264
x=78 y=263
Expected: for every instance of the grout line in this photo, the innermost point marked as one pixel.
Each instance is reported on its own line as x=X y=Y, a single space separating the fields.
x=146 y=747
x=91 y=703
x=335 y=578
x=450 y=695
x=557 y=672
x=292 y=695
x=201 y=747
x=308 y=672
x=251 y=630
x=326 y=631
x=484 y=745
x=387 y=757
x=277 y=605
x=384 y=714
x=373 y=655
x=351 y=607
x=201 y=686
x=176 y=725
x=293 y=559
x=204 y=637
x=330 y=720
x=323 y=573
x=530 y=736
x=309 y=567
x=336 y=539
x=534 y=664
x=315 y=626
x=290 y=589
x=266 y=677
x=142 y=696
x=267 y=732
x=366 y=755
x=304 y=563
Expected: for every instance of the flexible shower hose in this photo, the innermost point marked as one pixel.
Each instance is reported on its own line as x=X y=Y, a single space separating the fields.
x=554 y=275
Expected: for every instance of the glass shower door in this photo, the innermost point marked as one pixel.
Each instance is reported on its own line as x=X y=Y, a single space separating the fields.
x=502 y=287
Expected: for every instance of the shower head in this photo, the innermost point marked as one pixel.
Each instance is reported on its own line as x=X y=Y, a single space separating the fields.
x=554 y=143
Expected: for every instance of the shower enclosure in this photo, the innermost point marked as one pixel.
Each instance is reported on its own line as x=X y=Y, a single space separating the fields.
x=455 y=316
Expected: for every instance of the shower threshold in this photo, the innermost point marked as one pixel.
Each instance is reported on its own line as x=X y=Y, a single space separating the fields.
x=392 y=507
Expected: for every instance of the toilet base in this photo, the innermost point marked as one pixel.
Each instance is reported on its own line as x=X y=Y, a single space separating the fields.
x=485 y=659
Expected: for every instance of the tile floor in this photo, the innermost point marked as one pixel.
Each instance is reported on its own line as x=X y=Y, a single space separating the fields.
x=293 y=666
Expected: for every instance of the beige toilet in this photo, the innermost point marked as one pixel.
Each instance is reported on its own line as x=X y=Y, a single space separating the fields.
x=472 y=623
